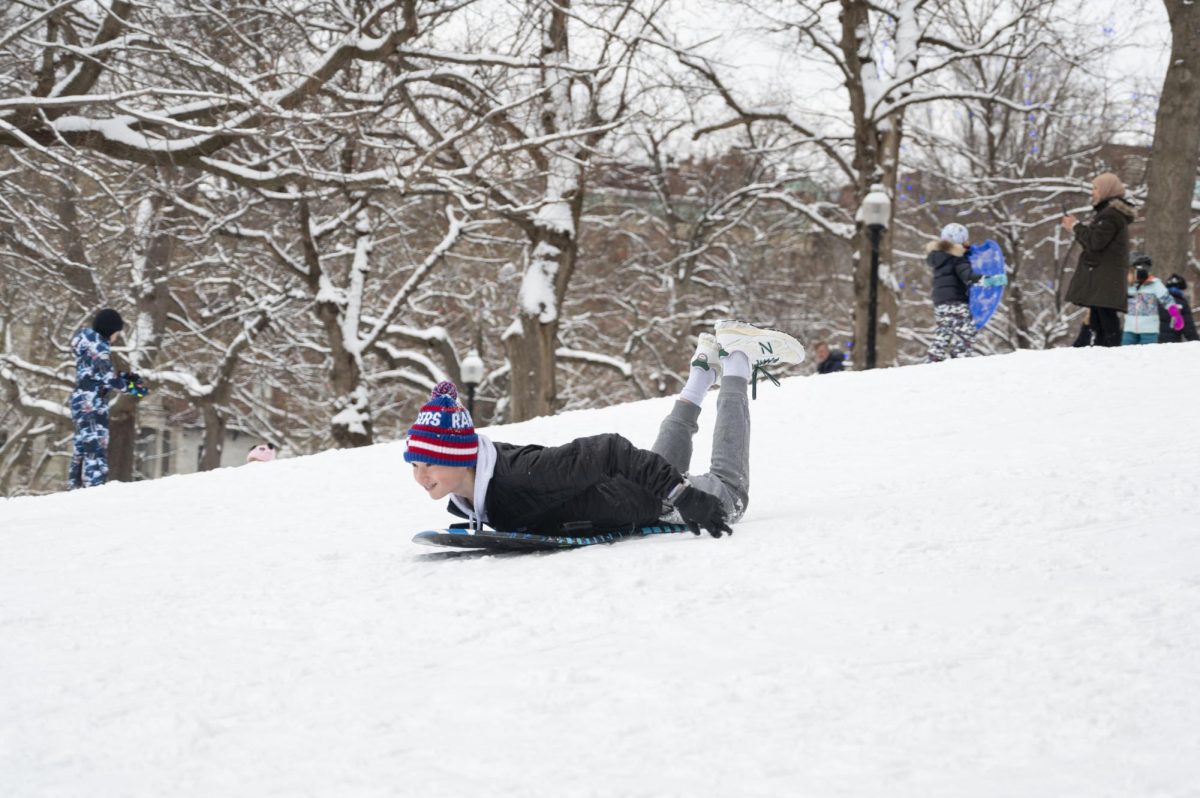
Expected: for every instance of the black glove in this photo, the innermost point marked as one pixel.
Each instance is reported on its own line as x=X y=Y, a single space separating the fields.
x=702 y=511
x=133 y=384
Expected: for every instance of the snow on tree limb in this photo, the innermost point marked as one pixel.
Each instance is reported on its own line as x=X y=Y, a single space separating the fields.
x=620 y=365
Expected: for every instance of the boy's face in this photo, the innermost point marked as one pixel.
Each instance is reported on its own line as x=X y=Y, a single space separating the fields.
x=440 y=481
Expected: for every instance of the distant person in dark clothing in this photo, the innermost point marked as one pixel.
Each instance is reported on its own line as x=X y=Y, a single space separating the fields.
x=1099 y=281
x=1177 y=286
x=1085 y=332
x=828 y=361
x=95 y=380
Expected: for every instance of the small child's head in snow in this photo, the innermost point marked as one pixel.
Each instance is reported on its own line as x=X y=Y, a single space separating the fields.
x=955 y=233
x=442 y=445
x=262 y=453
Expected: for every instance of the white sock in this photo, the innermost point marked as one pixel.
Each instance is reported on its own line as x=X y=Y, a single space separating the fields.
x=736 y=365
x=699 y=381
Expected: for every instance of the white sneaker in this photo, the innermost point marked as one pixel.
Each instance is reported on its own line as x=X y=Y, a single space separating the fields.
x=708 y=355
x=762 y=346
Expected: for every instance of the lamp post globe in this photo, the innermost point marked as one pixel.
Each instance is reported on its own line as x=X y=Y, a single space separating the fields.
x=472 y=374
x=875 y=213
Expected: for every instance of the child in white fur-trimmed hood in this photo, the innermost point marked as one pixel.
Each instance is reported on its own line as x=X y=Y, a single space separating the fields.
x=954 y=335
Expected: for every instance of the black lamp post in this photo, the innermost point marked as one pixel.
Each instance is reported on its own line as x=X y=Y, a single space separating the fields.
x=876 y=211
x=472 y=375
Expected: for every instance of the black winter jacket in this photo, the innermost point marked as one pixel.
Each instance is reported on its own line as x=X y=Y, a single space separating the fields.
x=834 y=363
x=952 y=274
x=1168 y=336
x=603 y=479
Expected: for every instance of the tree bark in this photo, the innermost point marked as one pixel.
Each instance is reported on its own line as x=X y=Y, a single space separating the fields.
x=351 y=425
x=1171 y=176
x=122 y=439
x=150 y=270
x=876 y=152
x=532 y=342
x=76 y=271
x=531 y=349
x=214 y=436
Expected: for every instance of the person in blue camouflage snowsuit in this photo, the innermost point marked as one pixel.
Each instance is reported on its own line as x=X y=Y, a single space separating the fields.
x=94 y=379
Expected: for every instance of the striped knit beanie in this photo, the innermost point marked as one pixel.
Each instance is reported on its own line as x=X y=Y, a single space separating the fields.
x=443 y=433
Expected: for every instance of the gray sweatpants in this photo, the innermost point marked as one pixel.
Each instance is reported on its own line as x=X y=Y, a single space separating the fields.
x=728 y=477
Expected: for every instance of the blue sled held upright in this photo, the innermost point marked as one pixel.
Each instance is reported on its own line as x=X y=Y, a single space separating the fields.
x=986 y=259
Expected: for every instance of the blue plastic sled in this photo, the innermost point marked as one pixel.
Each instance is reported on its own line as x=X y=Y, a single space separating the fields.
x=986 y=259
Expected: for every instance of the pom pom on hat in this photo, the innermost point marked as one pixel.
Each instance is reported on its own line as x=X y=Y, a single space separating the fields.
x=445 y=388
x=443 y=433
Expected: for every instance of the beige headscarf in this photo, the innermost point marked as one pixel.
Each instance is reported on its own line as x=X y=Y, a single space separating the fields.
x=1108 y=186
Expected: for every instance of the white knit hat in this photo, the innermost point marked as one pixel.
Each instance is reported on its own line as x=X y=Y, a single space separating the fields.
x=955 y=233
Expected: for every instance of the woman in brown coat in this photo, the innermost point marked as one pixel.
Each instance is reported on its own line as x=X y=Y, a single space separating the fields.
x=1099 y=281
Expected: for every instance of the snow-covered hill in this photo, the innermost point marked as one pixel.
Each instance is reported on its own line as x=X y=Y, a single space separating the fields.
x=975 y=578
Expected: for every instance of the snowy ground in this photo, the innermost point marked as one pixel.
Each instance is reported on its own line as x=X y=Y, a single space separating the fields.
x=976 y=578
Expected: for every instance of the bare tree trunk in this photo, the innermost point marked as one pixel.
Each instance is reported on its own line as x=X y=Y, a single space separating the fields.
x=1171 y=176
x=215 y=407
x=531 y=351
x=875 y=160
x=160 y=222
x=1022 y=338
x=552 y=240
x=79 y=276
x=351 y=424
x=214 y=436
x=122 y=438
x=531 y=359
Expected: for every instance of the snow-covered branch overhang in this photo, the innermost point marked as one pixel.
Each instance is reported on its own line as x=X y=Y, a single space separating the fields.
x=142 y=140
x=747 y=117
x=425 y=335
x=842 y=230
x=993 y=47
x=21 y=398
x=436 y=338
x=183 y=380
x=88 y=70
x=618 y=364
x=35 y=103
x=493 y=59
x=407 y=377
x=918 y=98
x=25 y=367
x=455 y=229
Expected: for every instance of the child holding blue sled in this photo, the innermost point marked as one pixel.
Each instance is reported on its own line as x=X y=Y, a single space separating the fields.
x=948 y=257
